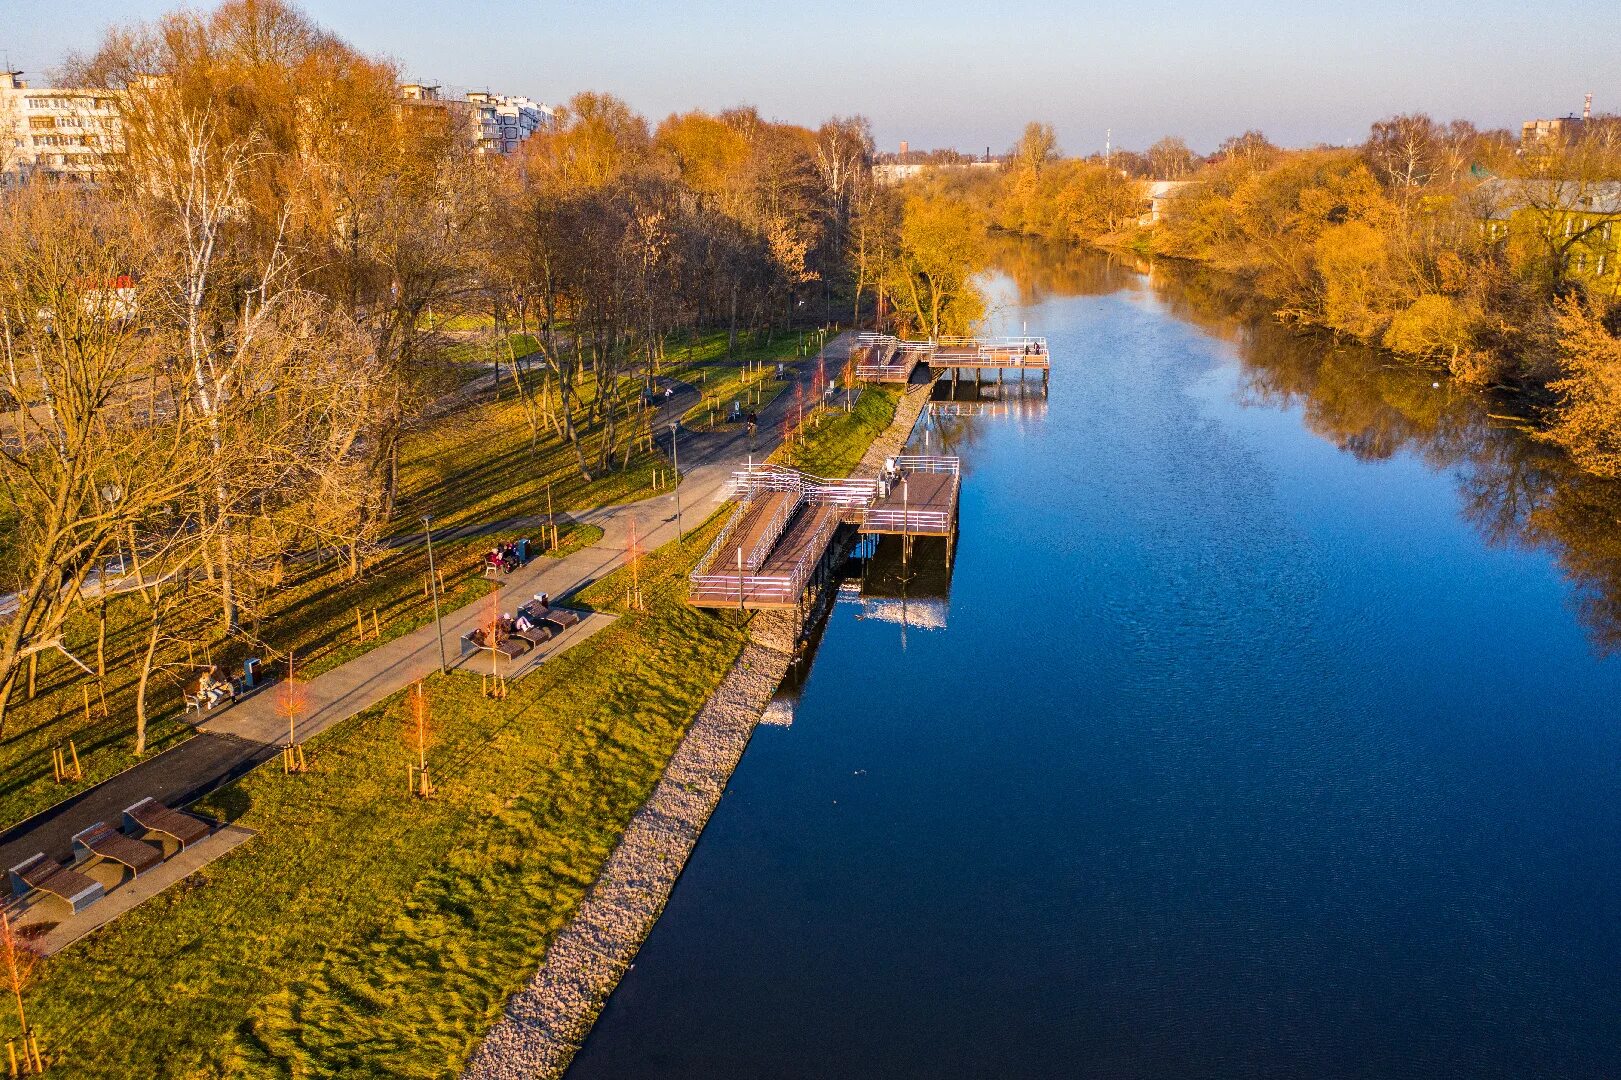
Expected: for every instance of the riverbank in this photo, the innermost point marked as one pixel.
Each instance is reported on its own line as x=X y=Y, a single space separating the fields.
x=544 y=1025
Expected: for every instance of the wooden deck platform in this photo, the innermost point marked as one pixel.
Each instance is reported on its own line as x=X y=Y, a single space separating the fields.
x=750 y=541
x=918 y=504
x=778 y=538
x=886 y=359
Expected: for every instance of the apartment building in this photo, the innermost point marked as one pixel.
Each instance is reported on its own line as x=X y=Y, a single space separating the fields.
x=504 y=122
x=57 y=132
x=496 y=124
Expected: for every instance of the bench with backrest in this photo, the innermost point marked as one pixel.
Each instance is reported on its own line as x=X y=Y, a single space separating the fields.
x=103 y=841
x=49 y=876
x=149 y=815
x=560 y=618
x=511 y=646
x=537 y=634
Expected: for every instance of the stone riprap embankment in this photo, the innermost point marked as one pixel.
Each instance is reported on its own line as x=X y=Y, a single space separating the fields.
x=545 y=1023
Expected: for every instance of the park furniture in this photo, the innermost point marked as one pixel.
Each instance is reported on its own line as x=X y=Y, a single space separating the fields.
x=49 y=876
x=149 y=815
x=535 y=635
x=101 y=840
x=561 y=618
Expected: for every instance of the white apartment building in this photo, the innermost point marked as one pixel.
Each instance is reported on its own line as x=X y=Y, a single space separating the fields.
x=503 y=122
x=497 y=123
x=54 y=131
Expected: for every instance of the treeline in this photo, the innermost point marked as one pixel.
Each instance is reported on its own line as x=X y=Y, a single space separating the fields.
x=1439 y=242
x=211 y=355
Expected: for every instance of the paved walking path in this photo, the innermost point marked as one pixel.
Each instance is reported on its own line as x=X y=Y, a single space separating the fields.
x=237 y=738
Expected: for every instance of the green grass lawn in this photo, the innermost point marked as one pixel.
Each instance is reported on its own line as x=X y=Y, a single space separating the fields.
x=472 y=465
x=363 y=932
x=312 y=613
x=833 y=441
x=486 y=351
x=484 y=463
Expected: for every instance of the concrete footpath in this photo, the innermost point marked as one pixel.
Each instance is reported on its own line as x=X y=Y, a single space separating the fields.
x=237 y=738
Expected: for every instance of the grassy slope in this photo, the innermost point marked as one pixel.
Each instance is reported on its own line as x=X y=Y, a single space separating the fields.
x=834 y=440
x=366 y=933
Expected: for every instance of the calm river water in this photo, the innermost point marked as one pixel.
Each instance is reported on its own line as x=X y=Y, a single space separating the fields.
x=1265 y=726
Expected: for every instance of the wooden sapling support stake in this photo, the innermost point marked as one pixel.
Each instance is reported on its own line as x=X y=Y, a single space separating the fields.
x=376 y=629
x=360 y=626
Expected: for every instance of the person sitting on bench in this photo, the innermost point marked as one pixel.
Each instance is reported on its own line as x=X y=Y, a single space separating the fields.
x=212 y=689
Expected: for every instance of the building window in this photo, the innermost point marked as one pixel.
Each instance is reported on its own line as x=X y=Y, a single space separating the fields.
x=1602 y=259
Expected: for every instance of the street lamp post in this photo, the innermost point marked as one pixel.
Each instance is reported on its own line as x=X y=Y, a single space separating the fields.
x=433 y=585
x=675 y=461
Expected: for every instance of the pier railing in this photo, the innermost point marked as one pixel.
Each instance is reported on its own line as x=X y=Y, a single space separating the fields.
x=929 y=463
x=851 y=493
x=906 y=519
x=725 y=532
x=773 y=532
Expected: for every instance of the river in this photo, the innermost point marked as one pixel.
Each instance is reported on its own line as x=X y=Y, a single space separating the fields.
x=1265 y=724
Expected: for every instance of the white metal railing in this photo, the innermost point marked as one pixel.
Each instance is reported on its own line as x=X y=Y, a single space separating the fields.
x=720 y=538
x=906 y=519
x=773 y=531
x=929 y=464
x=848 y=493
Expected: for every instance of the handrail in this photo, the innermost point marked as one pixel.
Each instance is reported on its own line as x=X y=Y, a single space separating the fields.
x=929 y=463
x=720 y=538
x=773 y=531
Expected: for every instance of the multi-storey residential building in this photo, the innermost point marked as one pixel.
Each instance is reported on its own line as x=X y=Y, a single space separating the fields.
x=54 y=131
x=504 y=122
x=496 y=123
x=1580 y=221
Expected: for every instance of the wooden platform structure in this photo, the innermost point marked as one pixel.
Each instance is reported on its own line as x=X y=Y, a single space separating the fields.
x=887 y=359
x=777 y=540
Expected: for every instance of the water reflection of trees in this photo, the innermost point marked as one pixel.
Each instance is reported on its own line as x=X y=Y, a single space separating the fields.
x=1516 y=490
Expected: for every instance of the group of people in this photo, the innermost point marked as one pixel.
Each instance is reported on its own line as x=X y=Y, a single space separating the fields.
x=212 y=689
x=508 y=555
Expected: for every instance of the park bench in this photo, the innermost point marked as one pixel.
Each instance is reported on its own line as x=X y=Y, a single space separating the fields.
x=538 y=634
x=511 y=646
x=49 y=876
x=101 y=840
x=561 y=618
x=149 y=815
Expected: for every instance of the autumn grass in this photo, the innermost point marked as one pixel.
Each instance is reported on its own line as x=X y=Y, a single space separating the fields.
x=833 y=441
x=486 y=463
x=488 y=350
x=469 y=466
x=573 y=537
x=363 y=932
x=312 y=614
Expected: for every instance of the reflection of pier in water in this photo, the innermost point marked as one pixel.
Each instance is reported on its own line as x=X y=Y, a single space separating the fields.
x=1018 y=399
x=909 y=589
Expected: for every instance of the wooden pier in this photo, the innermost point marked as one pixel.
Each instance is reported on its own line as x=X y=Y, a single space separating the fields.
x=777 y=540
x=886 y=359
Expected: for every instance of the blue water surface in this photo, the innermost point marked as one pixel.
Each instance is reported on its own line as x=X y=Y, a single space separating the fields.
x=1250 y=747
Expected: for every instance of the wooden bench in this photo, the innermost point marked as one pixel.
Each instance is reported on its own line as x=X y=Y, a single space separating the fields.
x=101 y=840
x=535 y=635
x=561 y=618
x=149 y=815
x=49 y=876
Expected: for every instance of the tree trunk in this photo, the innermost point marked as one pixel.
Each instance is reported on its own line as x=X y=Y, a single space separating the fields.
x=140 y=688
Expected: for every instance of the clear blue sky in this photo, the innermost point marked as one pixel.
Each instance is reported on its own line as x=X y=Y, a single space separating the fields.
x=969 y=73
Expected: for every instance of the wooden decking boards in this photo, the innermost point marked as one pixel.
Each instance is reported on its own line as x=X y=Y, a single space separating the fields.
x=773 y=547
